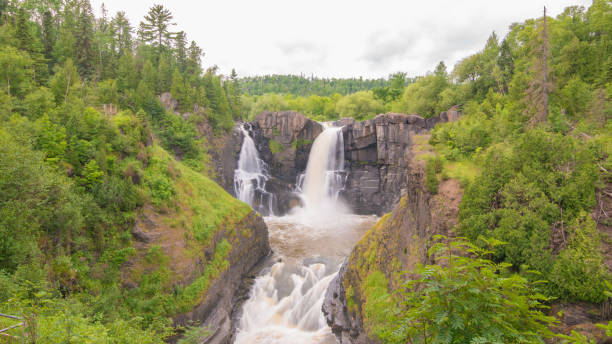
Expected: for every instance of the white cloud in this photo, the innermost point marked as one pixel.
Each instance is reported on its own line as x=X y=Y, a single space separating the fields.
x=340 y=38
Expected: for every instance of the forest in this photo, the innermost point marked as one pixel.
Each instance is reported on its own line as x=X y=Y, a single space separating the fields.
x=85 y=144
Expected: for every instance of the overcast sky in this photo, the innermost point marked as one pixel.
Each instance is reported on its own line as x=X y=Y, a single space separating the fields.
x=339 y=38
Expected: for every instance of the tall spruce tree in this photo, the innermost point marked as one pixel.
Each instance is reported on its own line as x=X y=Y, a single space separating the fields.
x=181 y=50
x=84 y=40
x=122 y=31
x=540 y=85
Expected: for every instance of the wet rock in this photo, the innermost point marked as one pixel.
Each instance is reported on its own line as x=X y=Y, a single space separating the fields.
x=283 y=140
x=377 y=154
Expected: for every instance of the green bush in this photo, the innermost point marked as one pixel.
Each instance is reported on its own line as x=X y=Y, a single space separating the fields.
x=466 y=298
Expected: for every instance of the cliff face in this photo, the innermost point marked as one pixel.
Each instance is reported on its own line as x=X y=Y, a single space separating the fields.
x=377 y=156
x=284 y=140
x=396 y=243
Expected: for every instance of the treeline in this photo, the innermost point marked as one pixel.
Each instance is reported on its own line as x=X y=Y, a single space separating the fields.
x=299 y=85
x=81 y=136
x=360 y=105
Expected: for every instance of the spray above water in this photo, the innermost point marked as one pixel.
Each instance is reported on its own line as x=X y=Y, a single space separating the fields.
x=251 y=176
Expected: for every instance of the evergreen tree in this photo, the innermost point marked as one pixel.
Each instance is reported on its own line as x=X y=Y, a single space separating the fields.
x=179 y=91
x=505 y=63
x=22 y=31
x=180 y=44
x=164 y=74
x=49 y=34
x=194 y=60
x=149 y=76
x=127 y=74
x=122 y=33
x=540 y=85
x=233 y=92
x=155 y=29
x=84 y=40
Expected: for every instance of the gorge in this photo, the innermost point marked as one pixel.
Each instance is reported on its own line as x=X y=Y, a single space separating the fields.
x=315 y=234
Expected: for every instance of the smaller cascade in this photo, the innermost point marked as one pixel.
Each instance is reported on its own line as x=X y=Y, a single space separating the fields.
x=251 y=176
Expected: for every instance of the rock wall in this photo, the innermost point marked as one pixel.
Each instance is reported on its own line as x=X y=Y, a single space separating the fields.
x=224 y=297
x=377 y=154
x=284 y=140
x=396 y=243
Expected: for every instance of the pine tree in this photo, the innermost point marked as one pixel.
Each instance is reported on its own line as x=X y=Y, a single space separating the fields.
x=49 y=34
x=84 y=40
x=155 y=29
x=149 y=75
x=179 y=91
x=540 y=85
x=181 y=50
x=122 y=33
x=194 y=60
x=22 y=31
x=233 y=93
x=505 y=62
x=164 y=75
x=127 y=74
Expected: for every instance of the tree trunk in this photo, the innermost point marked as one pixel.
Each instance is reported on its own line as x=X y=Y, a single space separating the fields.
x=545 y=68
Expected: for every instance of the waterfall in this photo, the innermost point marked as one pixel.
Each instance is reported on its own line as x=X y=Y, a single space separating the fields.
x=320 y=185
x=251 y=176
x=310 y=243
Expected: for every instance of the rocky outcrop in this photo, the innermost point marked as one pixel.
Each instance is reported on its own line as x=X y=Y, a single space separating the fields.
x=284 y=140
x=224 y=150
x=396 y=243
x=377 y=156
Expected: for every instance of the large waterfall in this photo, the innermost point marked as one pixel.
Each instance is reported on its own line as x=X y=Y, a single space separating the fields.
x=325 y=175
x=251 y=176
x=309 y=244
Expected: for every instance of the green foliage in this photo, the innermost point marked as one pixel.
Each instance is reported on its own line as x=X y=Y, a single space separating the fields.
x=73 y=179
x=360 y=105
x=433 y=167
x=194 y=334
x=275 y=147
x=303 y=86
x=466 y=298
x=579 y=271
